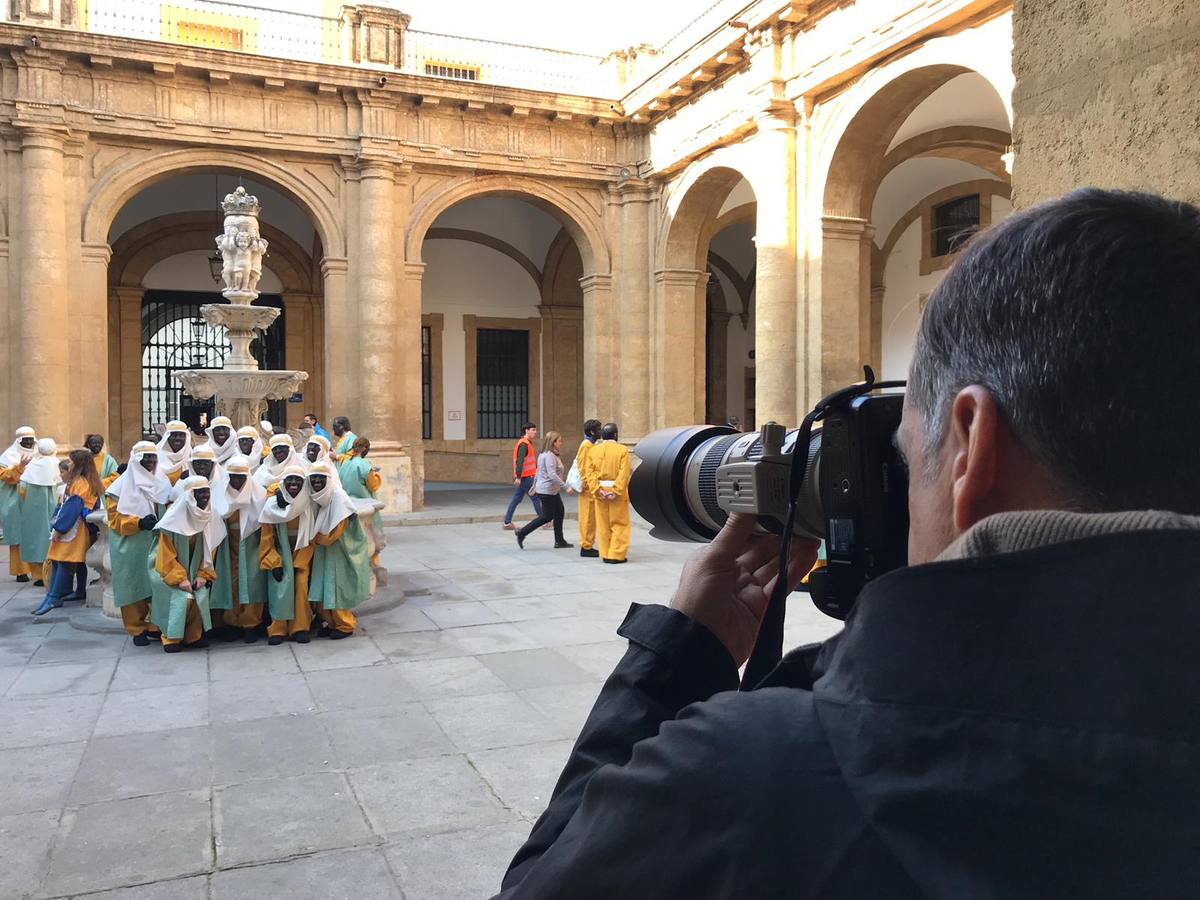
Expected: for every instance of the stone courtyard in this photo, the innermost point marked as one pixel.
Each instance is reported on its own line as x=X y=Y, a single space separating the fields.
x=409 y=761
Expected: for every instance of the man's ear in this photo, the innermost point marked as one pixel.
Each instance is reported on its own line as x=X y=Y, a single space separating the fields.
x=976 y=439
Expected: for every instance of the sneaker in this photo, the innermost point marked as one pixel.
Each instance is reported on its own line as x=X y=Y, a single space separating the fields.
x=520 y=540
x=507 y=526
x=589 y=552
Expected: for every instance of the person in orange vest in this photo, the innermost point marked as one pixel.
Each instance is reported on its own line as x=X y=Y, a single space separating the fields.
x=524 y=471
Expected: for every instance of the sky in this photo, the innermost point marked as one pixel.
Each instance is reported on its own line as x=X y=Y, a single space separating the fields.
x=584 y=26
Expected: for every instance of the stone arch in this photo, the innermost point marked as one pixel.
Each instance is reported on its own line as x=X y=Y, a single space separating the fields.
x=139 y=248
x=493 y=243
x=582 y=223
x=112 y=191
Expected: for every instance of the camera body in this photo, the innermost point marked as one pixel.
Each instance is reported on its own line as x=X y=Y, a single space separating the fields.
x=853 y=496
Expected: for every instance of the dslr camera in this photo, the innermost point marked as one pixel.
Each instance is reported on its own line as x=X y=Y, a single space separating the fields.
x=843 y=483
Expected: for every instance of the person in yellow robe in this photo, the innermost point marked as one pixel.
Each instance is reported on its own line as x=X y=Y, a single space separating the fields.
x=70 y=535
x=607 y=478
x=38 y=491
x=189 y=536
x=587 y=501
x=174 y=451
x=134 y=503
x=340 y=576
x=285 y=552
x=12 y=464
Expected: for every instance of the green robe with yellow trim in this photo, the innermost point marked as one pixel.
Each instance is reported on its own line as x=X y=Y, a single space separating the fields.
x=168 y=605
x=35 y=513
x=341 y=570
x=128 y=547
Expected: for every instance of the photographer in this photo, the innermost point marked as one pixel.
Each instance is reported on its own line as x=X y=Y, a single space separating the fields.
x=1015 y=714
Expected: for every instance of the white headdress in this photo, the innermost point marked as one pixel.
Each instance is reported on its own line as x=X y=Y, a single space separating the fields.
x=323 y=454
x=186 y=518
x=246 y=501
x=170 y=461
x=255 y=454
x=16 y=452
x=271 y=471
x=230 y=447
x=331 y=505
x=43 y=468
x=297 y=507
x=137 y=490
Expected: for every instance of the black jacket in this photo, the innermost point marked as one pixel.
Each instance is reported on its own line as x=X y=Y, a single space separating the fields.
x=1023 y=725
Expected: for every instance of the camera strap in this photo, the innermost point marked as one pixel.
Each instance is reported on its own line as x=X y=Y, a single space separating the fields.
x=768 y=646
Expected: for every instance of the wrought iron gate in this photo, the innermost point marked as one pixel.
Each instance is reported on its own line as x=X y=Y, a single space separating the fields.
x=174 y=336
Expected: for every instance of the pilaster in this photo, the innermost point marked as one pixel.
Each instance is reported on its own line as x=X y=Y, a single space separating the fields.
x=601 y=341
x=634 y=200
x=679 y=318
x=845 y=314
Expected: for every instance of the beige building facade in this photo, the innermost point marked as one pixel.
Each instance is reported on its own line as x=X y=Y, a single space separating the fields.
x=464 y=234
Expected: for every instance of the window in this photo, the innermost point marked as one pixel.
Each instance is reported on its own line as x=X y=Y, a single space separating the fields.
x=953 y=224
x=201 y=34
x=449 y=70
x=501 y=382
x=426 y=382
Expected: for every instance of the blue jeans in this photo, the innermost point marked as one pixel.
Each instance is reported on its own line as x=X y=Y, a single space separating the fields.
x=520 y=491
x=61 y=576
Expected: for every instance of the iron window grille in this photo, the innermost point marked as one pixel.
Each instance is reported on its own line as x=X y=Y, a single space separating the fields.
x=426 y=382
x=954 y=222
x=501 y=382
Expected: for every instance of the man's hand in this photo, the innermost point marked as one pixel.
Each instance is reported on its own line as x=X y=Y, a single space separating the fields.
x=516 y=481
x=279 y=501
x=185 y=586
x=726 y=586
x=200 y=583
x=277 y=574
x=147 y=522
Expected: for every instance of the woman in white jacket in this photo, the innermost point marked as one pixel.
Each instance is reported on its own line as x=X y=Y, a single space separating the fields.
x=549 y=486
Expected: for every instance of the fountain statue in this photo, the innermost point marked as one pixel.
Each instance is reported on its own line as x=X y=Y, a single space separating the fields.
x=240 y=387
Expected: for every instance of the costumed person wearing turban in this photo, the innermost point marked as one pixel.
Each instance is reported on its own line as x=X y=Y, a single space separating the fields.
x=70 y=535
x=222 y=439
x=607 y=479
x=106 y=466
x=587 y=501
x=203 y=462
x=285 y=552
x=250 y=445
x=237 y=561
x=134 y=502
x=12 y=464
x=38 y=491
x=283 y=455
x=189 y=535
x=341 y=562
x=174 y=451
x=316 y=451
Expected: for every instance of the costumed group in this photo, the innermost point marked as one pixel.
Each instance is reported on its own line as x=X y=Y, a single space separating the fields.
x=225 y=536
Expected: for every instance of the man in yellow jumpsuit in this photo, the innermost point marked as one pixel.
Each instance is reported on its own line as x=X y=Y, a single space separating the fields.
x=607 y=479
x=587 y=501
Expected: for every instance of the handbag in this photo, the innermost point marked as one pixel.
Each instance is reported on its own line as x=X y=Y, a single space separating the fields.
x=575 y=478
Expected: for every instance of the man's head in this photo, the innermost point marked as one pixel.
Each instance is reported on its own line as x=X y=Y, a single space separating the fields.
x=609 y=432
x=246 y=445
x=317 y=482
x=95 y=443
x=280 y=451
x=202 y=495
x=361 y=447
x=222 y=430
x=310 y=419
x=203 y=467
x=176 y=440
x=530 y=430
x=316 y=446
x=237 y=480
x=293 y=484
x=246 y=439
x=26 y=438
x=591 y=429
x=145 y=454
x=341 y=425
x=1052 y=368
x=64 y=470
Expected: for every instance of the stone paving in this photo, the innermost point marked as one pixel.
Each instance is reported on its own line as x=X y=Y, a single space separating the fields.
x=409 y=761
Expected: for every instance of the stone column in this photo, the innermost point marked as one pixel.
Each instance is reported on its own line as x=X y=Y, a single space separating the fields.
x=564 y=351
x=679 y=317
x=845 y=301
x=410 y=337
x=635 y=200
x=341 y=341
x=776 y=310
x=125 y=369
x=383 y=373
x=601 y=343
x=717 y=388
x=41 y=394
x=90 y=402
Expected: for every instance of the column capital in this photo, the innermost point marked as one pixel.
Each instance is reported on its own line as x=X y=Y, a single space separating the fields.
x=635 y=190
x=775 y=114
x=846 y=228
x=568 y=313
x=42 y=136
x=414 y=271
x=596 y=281
x=370 y=165
x=681 y=277
x=97 y=253
x=334 y=265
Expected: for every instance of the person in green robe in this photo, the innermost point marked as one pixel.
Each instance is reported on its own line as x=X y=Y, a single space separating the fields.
x=105 y=464
x=239 y=504
x=345 y=439
x=12 y=464
x=189 y=535
x=38 y=492
x=134 y=502
x=341 y=561
x=285 y=553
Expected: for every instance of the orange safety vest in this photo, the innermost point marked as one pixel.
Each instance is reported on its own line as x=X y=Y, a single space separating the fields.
x=529 y=464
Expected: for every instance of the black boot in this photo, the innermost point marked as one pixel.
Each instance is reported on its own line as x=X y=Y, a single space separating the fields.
x=141 y=640
x=589 y=553
x=274 y=640
x=23 y=579
x=249 y=636
x=300 y=637
x=172 y=648
x=521 y=540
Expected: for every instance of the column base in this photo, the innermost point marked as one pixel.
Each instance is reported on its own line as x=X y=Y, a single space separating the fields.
x=399 y=491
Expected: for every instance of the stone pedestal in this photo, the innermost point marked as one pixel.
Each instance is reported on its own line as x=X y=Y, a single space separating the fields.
x=100 y=595
x=395 y=464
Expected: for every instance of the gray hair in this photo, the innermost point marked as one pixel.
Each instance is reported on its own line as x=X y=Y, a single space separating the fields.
x=1081 y=317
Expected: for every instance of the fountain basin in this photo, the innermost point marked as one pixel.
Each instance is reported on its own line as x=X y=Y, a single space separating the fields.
x=241 y=395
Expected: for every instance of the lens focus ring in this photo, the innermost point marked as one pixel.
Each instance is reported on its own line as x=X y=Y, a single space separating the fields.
x=708 y=477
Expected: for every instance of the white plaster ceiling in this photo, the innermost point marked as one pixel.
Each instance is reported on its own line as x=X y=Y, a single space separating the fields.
x=968 y=99
x=510 y=219
x=189 y=193
x=910 y=183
